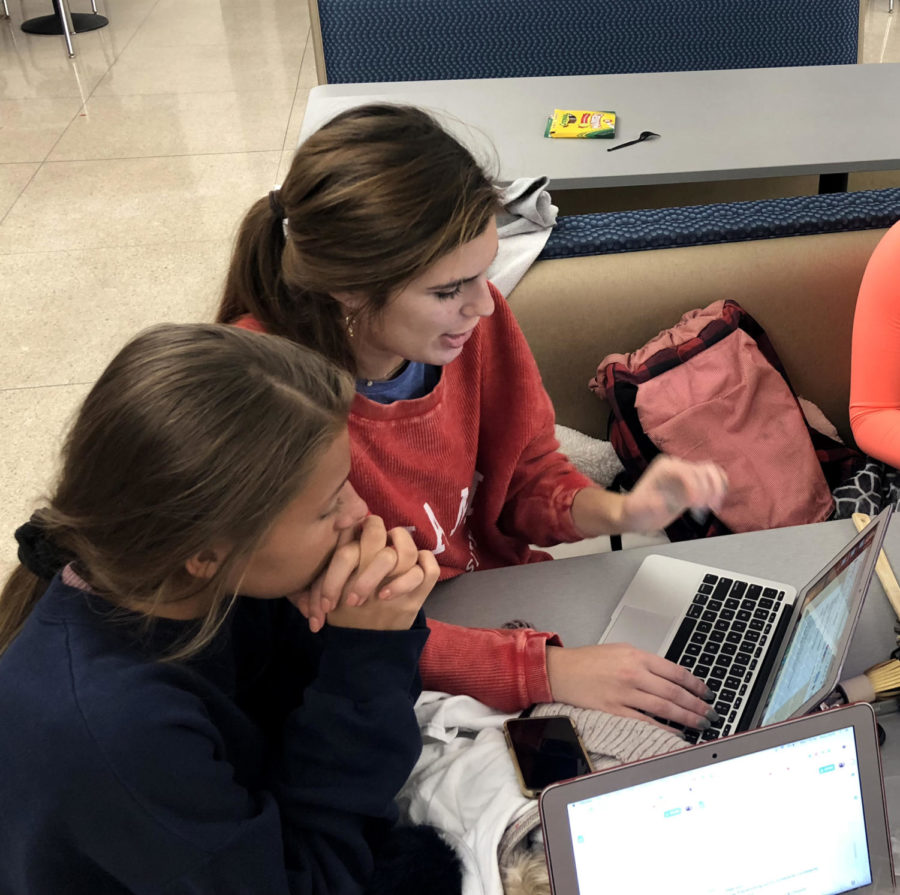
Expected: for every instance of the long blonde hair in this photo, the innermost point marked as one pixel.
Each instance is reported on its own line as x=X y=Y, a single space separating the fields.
x=193 y=435
x=372 y=199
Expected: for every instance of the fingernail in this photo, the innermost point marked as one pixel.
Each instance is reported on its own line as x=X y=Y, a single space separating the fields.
x=708 y=696
x=386 y=594
x=699 y=516
x=713 y=715
x=703 y=724
x=352 y=600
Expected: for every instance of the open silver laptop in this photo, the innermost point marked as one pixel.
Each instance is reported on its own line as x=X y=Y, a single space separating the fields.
x=796 y=807
x=768 y=653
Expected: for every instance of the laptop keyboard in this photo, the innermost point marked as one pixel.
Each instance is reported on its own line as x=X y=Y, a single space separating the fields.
x=722 y=641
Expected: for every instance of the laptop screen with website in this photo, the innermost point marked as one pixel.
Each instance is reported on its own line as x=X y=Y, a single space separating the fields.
x=814 y=649
x=787 y=819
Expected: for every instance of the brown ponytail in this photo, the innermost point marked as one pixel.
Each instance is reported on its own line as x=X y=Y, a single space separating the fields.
x=372 y=199
x=22 y=591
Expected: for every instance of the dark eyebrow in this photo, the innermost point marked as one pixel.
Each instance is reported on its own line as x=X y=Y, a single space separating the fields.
x=337 y=490
x=442 y=287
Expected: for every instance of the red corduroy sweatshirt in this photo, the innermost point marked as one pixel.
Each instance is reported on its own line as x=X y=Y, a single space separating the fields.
x=473 y=470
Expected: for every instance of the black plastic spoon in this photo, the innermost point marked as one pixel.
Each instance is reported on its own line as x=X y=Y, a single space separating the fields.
x=645 y=135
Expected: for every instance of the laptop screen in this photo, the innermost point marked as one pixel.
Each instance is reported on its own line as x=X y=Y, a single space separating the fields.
x=786 y=819
x=814 y=650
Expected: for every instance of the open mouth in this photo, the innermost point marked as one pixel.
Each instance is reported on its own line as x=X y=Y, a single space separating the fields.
x=457 y=340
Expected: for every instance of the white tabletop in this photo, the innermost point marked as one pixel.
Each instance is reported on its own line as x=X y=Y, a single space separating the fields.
x=714 y=125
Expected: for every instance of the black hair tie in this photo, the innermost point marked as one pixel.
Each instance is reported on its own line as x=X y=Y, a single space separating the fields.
x=37 y=552
x=275 y=205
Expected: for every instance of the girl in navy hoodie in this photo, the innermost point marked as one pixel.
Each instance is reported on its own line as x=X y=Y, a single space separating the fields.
x=160 y=733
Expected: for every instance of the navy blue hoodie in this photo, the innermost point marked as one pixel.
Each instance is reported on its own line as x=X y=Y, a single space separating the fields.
x=267 y=764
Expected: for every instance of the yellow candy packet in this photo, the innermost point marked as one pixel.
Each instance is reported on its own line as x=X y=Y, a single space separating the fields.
x=581 y=123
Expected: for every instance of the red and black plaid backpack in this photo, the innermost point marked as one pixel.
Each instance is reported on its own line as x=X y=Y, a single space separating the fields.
x=619 y=381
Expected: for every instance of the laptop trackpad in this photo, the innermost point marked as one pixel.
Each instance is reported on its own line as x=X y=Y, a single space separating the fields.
x=644 y=629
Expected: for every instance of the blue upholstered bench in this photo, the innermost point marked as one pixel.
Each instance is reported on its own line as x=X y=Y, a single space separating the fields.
x=664 y=228
x=411 y=40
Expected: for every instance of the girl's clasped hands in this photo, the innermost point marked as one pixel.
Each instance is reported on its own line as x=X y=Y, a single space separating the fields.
x=376 y=579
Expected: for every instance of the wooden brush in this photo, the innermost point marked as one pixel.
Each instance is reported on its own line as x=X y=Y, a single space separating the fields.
x=881 y=681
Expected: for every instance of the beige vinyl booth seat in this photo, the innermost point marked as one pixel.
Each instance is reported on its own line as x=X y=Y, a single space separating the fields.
x=609 y=282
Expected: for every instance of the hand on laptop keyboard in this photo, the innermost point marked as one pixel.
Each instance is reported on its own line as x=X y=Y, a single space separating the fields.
x=722 y=639
x=624 y=680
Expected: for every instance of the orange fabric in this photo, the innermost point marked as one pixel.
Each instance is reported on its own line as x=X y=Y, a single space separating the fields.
x=250 y=323
x=506 y=669
x=728 y=404
x=875 y=361
x=474 y=475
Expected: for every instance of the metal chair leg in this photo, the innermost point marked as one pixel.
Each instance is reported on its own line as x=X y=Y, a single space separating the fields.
x=5 y=10
x=62 y=10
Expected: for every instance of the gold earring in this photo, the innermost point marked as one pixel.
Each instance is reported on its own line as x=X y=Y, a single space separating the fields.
x=348 y=322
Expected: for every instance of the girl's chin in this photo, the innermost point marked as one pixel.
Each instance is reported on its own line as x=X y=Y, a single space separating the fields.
x=445 y=354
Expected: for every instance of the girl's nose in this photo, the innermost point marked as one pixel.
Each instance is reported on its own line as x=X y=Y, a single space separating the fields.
x=479 y=301
x=353 y=508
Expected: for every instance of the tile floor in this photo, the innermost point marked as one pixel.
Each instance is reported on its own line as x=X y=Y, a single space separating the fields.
x=123 y=174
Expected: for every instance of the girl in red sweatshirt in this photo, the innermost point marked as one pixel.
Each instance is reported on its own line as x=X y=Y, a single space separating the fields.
x=374 y=252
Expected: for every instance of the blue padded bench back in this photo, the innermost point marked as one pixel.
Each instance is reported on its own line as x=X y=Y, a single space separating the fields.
x=666 y=228
x=414 y=40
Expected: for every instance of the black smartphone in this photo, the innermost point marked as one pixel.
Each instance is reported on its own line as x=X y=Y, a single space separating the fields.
x=545 y=751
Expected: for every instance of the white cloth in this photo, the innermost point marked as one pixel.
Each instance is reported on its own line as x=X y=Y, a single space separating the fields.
x=464 y=784
x=523 y=229
x=593 y=457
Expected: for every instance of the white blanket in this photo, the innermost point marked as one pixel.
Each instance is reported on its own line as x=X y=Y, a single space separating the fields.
x=464 y=784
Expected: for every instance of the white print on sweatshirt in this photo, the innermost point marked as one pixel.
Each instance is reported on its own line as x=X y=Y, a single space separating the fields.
x=466 y=499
